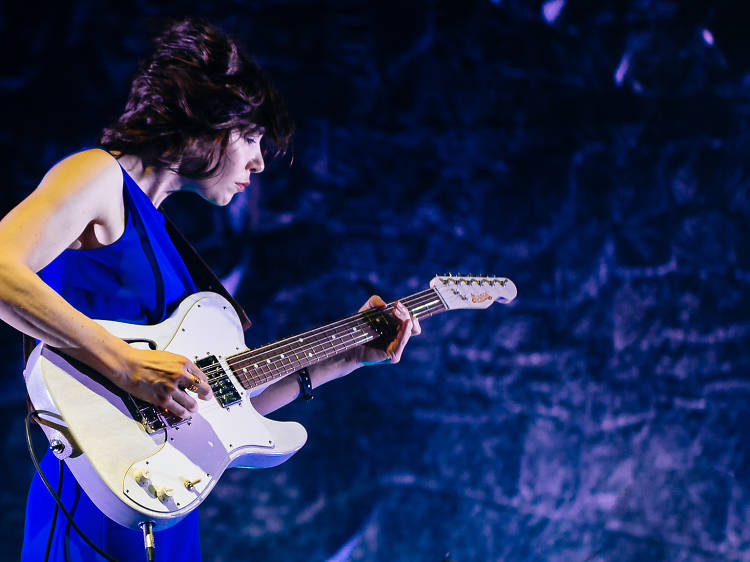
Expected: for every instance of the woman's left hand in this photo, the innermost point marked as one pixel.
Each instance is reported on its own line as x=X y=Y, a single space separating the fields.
x=408 y=325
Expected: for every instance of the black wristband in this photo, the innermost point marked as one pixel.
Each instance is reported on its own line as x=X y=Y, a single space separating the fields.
x=305 y=384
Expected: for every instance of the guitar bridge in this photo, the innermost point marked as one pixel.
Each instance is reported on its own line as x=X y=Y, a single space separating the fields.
x=146 y=413
x=152 y=417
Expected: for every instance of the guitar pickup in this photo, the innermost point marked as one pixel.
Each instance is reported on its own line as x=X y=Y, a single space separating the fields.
x=220 y=383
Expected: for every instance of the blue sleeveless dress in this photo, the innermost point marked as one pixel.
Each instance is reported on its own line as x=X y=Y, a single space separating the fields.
x=140 y=279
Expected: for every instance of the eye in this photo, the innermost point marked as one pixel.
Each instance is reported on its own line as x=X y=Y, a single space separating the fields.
x=254 y=137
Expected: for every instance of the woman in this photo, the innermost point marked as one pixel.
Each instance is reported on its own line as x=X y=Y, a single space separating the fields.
x=89 y=242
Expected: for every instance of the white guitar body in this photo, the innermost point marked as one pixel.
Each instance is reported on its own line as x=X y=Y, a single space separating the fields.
x=133 y=475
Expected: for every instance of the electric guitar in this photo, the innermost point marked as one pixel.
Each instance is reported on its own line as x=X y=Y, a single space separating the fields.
x=138 y=463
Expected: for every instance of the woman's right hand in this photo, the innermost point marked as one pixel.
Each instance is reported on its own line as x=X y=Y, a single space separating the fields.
x=162 y=378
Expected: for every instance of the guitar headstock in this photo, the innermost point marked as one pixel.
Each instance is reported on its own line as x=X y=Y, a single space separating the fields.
x=469 y=291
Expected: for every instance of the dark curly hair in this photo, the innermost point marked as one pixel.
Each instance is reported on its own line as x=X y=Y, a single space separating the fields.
x=189 y=96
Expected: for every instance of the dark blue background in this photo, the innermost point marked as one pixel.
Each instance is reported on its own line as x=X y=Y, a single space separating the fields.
x=594 y=152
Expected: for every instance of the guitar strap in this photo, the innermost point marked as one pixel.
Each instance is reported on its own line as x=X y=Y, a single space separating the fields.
x=203 y=277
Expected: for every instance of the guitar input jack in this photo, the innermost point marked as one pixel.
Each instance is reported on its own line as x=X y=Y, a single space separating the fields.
x=148 y=539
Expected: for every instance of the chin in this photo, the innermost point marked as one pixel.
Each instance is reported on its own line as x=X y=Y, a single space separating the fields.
x=221 y=200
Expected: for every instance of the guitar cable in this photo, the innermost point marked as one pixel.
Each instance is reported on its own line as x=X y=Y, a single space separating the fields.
x=56 y=496
x=54 y=513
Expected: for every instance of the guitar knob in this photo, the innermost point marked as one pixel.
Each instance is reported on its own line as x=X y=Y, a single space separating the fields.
x=142 y=476
x=164 y=493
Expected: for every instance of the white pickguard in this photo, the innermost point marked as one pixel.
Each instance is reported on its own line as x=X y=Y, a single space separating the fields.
x=109 y=447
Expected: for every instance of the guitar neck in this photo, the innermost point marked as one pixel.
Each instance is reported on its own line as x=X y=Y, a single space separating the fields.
x=261 y=365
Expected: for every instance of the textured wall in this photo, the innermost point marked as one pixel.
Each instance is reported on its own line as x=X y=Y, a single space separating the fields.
x=594 y=154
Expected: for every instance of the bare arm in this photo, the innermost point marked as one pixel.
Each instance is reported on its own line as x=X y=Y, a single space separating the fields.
x=80 y=200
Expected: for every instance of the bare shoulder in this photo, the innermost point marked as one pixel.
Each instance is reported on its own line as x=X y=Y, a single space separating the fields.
x=78 y=203
x=93 y=170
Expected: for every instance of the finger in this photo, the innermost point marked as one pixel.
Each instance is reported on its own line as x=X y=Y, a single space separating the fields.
x=196 y=379
x=396 y=347
x=401 y=309
x=402 y=313
x=173 y=407
x=406 y=325
x=373 y=302
x=185 y=400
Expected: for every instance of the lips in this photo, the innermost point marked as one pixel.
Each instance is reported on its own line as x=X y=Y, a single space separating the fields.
x=240 y=186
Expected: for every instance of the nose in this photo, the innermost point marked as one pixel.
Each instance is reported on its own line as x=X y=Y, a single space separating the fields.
x=256 y=164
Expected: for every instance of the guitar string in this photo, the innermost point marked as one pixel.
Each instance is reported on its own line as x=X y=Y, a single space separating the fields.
x=418 y=298
x=261 y=357
x=335 y=324
x=262 y=353
x=270 y=369
x=317 y=335
x=267 y=366
x=277 y=369
x=266 y=369
x=262 y=378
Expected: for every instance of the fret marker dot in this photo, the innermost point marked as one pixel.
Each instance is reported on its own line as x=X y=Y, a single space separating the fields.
x=300 y=340
x=255 y=365
x=282 y=355
x=309 y=354
x=268 y=361
x=354 y=329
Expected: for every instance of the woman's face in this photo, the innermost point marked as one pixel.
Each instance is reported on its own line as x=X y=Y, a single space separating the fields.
x=242 y=157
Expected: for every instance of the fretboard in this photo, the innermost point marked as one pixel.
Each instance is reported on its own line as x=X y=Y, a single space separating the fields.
x=258 y=366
